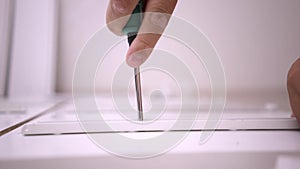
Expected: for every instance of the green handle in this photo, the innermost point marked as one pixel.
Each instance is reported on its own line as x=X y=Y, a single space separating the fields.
x=135 y=20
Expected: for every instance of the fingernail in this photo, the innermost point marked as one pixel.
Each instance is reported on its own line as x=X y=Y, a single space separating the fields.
x=136 y=60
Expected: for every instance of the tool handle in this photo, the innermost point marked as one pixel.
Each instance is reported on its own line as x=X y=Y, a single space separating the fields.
x=135 y=20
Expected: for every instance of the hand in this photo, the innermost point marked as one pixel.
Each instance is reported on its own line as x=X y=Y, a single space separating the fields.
x=293 y=86
x=120 y=8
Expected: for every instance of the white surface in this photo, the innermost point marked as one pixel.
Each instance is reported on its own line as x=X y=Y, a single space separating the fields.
x=13 y=111
x=5 y=35
x=240 y=124
x=33 y=61
x=288 y=162
x=257 y=40
x=225 y=149
x=246 y=114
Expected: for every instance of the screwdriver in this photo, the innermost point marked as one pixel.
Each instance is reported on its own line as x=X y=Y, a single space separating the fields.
x=131 y=29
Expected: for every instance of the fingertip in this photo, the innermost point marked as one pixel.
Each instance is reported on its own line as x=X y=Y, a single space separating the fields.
x=138 y=53
x=136 y=58
x=132 y=64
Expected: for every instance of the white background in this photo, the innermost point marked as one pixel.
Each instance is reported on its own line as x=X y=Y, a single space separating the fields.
x=257 y=40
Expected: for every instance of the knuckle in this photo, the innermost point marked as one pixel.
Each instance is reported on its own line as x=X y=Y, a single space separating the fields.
x=160 y=7
x=145 y=43
x=159 y=19
x=120 y=7
x=164 y=6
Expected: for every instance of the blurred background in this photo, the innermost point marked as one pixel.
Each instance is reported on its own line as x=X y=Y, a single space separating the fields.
x=257 y=41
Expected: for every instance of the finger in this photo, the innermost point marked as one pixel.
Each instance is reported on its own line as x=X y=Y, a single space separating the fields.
x=121 y=10
x=155 y=20
x=293 y=85
x=141 y=49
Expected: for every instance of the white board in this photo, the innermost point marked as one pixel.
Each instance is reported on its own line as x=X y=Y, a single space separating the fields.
x=32 y=71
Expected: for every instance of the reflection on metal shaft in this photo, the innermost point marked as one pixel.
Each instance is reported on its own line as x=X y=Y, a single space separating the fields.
x=138 y=92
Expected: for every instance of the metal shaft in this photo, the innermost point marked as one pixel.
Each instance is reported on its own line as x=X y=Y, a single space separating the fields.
x=138 y=92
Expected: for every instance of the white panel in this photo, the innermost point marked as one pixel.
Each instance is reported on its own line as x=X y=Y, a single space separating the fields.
x=78 y=21
x=34 y=48
x=5 y=21
x=257 y=40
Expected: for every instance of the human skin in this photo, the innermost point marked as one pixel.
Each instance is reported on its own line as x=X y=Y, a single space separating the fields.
x=143 y=42
x=121 y=8
x=293 y=86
